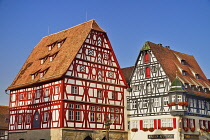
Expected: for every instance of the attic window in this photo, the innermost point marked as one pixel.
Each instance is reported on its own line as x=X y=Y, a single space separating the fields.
x=53 y=56
x=197 y=76
x=33 y=76
x=42 y=73
x=42 y=60
x=183 y=62
x=61 y=43
x=205 y=89
x=51 y=46
x=184 y=72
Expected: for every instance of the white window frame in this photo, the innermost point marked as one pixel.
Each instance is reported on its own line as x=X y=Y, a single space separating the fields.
x=99 y=94
x=57 y=89
x=165 y=101
x=78 y=115
x=179 y=98
x=134 y=124
x=74 y=90
x=156 y=102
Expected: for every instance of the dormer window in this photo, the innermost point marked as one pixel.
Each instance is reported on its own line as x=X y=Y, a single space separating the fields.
x=183 y=62
x=33 y=76
x=61 y=43
x=184 y=72
x=42 y=60
x=146 y=58
x=53 y=56
x=51 y=46
x=42 y=73
x=197 y=76
x=205 y=90
x=193 y=87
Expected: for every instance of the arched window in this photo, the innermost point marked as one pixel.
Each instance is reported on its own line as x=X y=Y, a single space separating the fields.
x=146 y=58
x=147 y=72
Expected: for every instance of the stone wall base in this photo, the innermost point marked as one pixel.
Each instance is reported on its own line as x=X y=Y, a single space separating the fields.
x=66 y=134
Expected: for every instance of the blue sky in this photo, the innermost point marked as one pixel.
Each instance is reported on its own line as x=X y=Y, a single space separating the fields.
x=184 y=25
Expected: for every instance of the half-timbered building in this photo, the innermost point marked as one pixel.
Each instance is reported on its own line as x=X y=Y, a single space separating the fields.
x=67 y=87
x=169 y=95
x=4 y=122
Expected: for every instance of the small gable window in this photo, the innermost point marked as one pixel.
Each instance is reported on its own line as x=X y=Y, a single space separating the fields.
x=61 y=43
x=51 y=46
x=42 y=73
x=197 y=76
x=146 y=58
x=184 y=72
x=52 y=57
x=147 y=72
x=183 y=62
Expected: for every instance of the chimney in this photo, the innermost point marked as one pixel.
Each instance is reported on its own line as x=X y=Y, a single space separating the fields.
x=168 y=47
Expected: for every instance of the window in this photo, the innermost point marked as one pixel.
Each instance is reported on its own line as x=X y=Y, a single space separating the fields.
x=161 y=84
x=1 y=132
x=183 y=62
x=37 y=94
x=197 y=76
x=99 y=94
x=114 y=95
x=193 y=87
x=28 y=118
x=134 y=104
x=154 y=69
x=149 y=88
x=167 y=122
x=173 y=98
x=148 y=123
x=82 y=68
x=184 y=72
x=74 y=90
x=165 y=101
x=134 y=124
x=129 y=125
x=106 y=56
x=71 y=112
x=46 y=92
x=145 y=103
x=147 y=72
x=185 y=122
x=78 y=112
x=45 y=116
x=117 y=119
x=92 y=116
x=77 y=115
x=56 y=89
x=21 y=96
x=19 y=119
x=98 y=117
x=205 y=89
x=179 y=98
x=156 y=102
x=146 y=58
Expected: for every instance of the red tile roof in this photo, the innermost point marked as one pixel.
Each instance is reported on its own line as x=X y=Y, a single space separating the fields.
x=171 y=63
x=74 y=38
x=4 y=117
x=127 y=72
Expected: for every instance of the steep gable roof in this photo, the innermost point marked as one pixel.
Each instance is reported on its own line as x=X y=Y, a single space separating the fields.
x=4 y=117
x=170 y=61
x=73 y=39
x=127 y=72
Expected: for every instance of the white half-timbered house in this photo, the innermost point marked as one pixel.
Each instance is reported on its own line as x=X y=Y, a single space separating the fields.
x=67 y=87
x=169 y=96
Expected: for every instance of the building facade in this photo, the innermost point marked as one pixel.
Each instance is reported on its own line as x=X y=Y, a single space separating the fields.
x=69 y=86
x=169 y=96
x=4 y=122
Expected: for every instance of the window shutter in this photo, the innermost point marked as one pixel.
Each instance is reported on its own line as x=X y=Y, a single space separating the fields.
x=174 y=123
x=141 y=124
x=155 y=123
x=146 y=58
x=147 y=72
x=194 y=122
x=159 y=123
x=208 y=124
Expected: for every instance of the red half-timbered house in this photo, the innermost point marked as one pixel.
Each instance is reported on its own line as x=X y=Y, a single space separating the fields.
x=67 y=87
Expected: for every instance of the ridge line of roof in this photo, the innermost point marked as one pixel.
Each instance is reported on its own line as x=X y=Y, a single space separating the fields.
x=70 y=28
